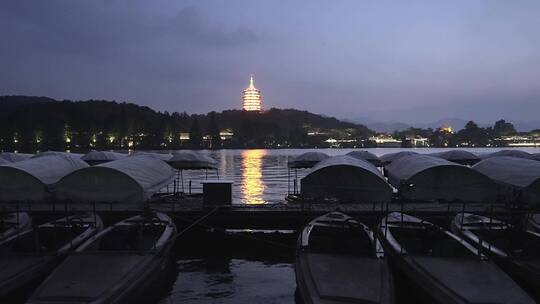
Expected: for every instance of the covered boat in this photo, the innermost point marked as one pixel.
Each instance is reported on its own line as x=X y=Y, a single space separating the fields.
x=99 y=157
x=458 y=156
x=428 y=178
x=114 y=265
x=518 y=179
x=346 y=179
x=54 y=153
x=306 y=160
x=14 y=223
x=186 y=160
x=31 y=179
x=388 y=158
x=303 y=161
x=27 y=257
x=14 y=157
x=533 y=222
x=507 y=152
x=515 y=250
x=366 y=155
x=162 y=156
x=189 y=160
x=338 y=260
x=131 y=179
x=444 y=267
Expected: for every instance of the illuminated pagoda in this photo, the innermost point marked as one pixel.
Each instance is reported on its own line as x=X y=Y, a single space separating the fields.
x=251 y=98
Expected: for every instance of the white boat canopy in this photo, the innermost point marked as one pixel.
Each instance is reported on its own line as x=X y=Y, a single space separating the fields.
x=518 y=178
x=428 y=178
x=99 y=157
x=15 y=157
x=49 y=153
x=29 y=180
x=507 y=152
x=388 y=158
x=458 y=156
x=129 y=180
x=365 y=155
x=162 y=156
x=185 y=160
x=346 y=179
x=306 y=160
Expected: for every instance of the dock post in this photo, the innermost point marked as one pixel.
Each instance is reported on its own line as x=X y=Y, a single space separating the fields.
x=182 y=180
x=18 y=223
x=288 y=181
x=94 y=210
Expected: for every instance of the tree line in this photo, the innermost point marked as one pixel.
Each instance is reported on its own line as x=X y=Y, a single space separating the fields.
x=38 y=123
x=471 y=135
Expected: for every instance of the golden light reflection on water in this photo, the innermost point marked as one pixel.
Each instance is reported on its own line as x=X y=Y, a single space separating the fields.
x=252 y=184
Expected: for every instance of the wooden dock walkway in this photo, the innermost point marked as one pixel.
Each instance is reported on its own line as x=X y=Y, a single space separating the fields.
x=262 y=216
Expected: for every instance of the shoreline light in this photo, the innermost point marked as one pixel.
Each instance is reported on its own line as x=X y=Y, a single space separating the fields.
x=251 y=98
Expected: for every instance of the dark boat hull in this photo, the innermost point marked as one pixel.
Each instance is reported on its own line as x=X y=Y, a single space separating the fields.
x=338 y=260
x=526 y=275
x=358 y=275
x=30 y=276
x=443 y=266
x=430 y=290
x=134 y=291
x=94 y=275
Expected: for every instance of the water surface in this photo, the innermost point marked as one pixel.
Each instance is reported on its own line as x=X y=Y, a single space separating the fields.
x=261 y=176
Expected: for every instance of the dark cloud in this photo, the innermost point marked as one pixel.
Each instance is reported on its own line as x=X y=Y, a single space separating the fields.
x=190 y=25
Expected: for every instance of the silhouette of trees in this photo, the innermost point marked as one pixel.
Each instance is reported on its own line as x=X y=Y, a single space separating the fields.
x=213 y=131
x=503 y=128
x=195 y=135
x=473 y=135
x=28 y=124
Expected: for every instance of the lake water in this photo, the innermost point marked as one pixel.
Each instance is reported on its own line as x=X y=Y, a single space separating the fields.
x=261 y=176
x=231 y=268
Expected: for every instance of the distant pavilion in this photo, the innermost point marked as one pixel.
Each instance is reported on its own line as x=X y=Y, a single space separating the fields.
x=251 y=98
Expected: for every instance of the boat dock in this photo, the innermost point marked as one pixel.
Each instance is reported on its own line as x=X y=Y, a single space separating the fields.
x=279 y=216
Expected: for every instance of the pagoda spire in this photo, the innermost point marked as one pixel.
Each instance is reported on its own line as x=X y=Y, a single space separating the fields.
x=251 y=82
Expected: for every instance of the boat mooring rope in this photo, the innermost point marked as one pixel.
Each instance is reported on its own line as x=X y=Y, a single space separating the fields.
x=202 y=218
x=250 y=237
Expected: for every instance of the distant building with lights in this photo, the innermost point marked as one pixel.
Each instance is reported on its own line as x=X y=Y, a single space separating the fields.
x=251 y=98
x=447 y=129
x=385 y=141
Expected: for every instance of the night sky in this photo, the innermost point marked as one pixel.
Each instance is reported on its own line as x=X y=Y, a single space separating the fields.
x=410 y=61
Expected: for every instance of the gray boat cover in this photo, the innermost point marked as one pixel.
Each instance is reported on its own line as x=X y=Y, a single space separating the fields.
x=49 y=153
x=162 y=156
x=518 y=178
x=4 y=162
x=507 y=152
x=390 y=157
x=185 y=160
x=98 y=157
x=307 y=160
x=365 y=155
x=346 y=179
x=29 y=180
x=130 y=180
x=536 y=156
x=15 y=157
x=428 y=178
x=458 y=156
